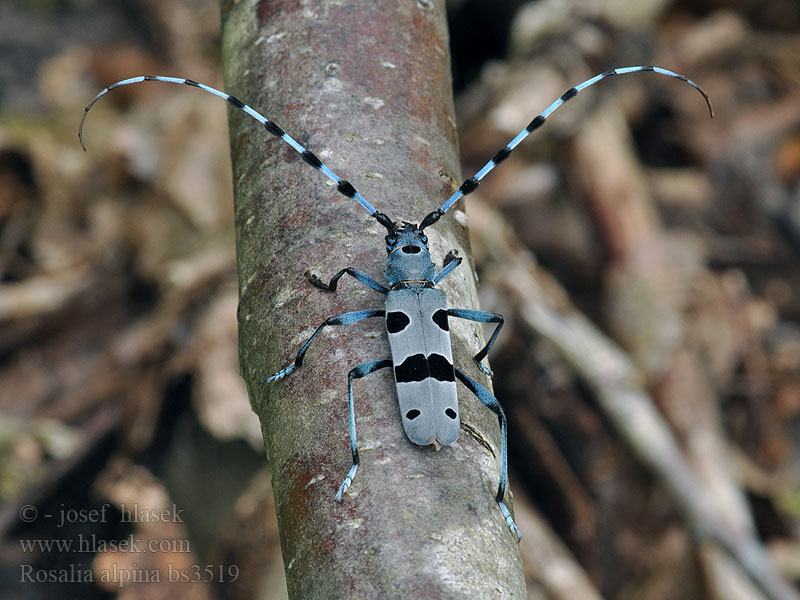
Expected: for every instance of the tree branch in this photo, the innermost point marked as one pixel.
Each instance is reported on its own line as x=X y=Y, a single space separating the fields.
x=367 y=88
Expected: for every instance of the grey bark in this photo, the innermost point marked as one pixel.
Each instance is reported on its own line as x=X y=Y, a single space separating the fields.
x=366 y=86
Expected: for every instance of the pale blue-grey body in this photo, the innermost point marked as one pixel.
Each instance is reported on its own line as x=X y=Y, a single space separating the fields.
x=422 y=360
x=419 y=338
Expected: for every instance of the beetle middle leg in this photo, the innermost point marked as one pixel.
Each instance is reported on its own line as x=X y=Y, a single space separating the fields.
x=480 y=316
x=343 y=319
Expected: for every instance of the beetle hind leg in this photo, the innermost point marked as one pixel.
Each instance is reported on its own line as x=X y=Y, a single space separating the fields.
x=491 y=402
x=358 y=372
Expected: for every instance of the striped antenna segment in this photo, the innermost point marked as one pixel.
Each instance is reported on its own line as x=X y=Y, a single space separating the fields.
x=471 y=184
x=342 y=186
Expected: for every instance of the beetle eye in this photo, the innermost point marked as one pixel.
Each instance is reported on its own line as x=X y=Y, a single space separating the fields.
x=411 y=249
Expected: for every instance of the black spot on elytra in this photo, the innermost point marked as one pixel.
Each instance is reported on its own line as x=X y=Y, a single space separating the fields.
x=440 y=368
x=418 y=368
x=396 y=321
x=413 y=368
x=440 y=318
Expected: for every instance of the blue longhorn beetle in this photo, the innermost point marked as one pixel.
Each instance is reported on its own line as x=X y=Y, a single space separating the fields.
x=416 y=313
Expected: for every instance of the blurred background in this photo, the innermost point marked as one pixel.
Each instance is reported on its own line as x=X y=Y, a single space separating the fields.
x=131 y=464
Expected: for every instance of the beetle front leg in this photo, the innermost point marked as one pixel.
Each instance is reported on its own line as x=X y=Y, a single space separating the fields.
x=358 y=275
x=451 y=261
